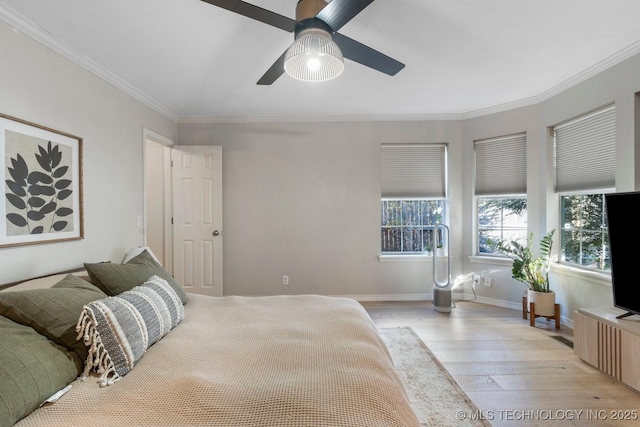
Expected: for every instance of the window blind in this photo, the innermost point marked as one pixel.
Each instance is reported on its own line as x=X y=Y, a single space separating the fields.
x=585 y=152
x=413 y=171
x=501 y=165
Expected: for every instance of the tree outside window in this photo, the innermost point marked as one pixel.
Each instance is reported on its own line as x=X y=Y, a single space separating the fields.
x=407 y=225
x=500 y=219
x=584 y=238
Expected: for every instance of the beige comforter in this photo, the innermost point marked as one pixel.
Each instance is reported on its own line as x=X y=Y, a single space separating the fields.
x=237 y=361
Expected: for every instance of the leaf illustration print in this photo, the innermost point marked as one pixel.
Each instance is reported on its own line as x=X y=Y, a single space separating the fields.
x=18 y=191
x=38 y=191
x=52 y=184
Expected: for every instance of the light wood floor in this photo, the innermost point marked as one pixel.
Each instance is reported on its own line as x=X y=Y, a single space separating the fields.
x=517 y=375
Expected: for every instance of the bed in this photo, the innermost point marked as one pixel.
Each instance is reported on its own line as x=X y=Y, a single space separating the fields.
x=305 y=360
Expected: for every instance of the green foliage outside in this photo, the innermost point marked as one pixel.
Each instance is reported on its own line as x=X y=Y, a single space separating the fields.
x=407 y=225
x=584 y=239
x=500 y=219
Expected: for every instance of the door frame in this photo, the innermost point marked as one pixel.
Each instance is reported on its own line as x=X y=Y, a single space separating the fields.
x=149 y=135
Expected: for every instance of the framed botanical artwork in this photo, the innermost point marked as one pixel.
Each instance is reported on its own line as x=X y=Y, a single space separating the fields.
x=42 y=173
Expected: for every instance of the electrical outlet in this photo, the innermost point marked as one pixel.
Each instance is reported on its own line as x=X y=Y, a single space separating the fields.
x=476 y=279
x=487 y=281
x=285 y=280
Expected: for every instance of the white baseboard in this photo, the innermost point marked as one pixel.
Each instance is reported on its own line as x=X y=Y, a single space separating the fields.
x=456 y=297
x=390 y=297
x=496 y=302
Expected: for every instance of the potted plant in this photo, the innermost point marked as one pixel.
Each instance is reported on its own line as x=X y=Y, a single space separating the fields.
x=533 y=272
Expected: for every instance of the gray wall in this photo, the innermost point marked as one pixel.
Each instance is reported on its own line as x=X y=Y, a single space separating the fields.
x=278 y=175
x=40 y=86
x=303 y=200
x=300 y=199
x=618 y=84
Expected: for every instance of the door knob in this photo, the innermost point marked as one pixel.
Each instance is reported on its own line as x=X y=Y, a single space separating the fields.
x=216 y=233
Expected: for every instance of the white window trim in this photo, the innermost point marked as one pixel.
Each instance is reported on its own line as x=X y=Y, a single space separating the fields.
x=587 y=192
x=600 y=277
x=409 y=258
x=492 y=260
x=405 y=258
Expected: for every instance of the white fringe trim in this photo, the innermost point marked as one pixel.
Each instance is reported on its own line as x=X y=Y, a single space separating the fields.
x=98 y=359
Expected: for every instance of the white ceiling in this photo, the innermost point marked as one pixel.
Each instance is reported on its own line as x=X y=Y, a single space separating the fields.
x=464 y=58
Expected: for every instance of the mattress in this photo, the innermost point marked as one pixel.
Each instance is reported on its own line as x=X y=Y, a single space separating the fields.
x=250 y=361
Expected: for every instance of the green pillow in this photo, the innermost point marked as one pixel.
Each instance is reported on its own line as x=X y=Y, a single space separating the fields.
x=32 y=369
x=53 y=312
x=114 y=279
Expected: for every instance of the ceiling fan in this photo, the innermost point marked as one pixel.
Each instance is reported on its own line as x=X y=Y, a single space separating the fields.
x=318 y=50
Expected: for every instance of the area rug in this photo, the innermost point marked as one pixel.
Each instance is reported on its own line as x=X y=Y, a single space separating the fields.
x=436 y=398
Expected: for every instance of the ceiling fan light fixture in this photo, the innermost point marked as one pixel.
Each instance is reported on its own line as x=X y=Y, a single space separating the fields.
x=314 y=56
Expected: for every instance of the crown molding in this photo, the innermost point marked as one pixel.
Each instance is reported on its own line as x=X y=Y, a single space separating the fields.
x=601 y=66
x=500 y=108
x=21 y=24
x=312 y=119
x=18 y=22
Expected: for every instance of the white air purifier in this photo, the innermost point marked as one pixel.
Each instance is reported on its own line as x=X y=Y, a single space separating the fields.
x=442 y=290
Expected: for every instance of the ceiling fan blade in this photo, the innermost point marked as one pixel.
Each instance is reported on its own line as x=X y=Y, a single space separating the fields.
x=339 y=12
x=367 y=56
x=257 y=13
x=275 y=71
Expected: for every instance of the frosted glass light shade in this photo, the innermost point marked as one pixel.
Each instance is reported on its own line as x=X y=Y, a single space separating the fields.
x=134 y=252
x=314 y=56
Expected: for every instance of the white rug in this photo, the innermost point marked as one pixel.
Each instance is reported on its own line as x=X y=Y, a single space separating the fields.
x=434 y=395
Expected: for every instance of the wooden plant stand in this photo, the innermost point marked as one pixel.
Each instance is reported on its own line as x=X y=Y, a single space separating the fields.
x=532 y=310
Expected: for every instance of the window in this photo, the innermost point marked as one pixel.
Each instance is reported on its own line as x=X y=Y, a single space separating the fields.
x=500 y=189
x=413 y=189
x=407 y=225
x=500 y=219
x=584 y=231
x=584 y=150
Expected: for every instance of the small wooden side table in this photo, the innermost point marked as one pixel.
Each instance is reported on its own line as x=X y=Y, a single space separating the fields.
x=533 y=316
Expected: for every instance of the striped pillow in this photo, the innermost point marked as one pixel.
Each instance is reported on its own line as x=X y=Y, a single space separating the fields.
x=118 y=330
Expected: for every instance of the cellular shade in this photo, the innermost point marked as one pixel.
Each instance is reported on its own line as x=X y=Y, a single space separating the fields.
x=413 y=171
x=501 y=165
x=585 y=152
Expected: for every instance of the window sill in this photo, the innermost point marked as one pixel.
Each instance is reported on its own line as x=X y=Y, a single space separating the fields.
x=600 y=278
x=494 y=260
x=405 y=258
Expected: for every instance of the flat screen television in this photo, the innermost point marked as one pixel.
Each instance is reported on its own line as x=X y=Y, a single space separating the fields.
x=623 y=216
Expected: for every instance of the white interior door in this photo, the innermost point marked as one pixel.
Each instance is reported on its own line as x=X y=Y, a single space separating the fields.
x=197 y=218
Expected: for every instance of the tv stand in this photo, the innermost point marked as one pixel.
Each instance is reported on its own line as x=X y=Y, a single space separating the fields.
x=604 y=339
x=627 y=314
